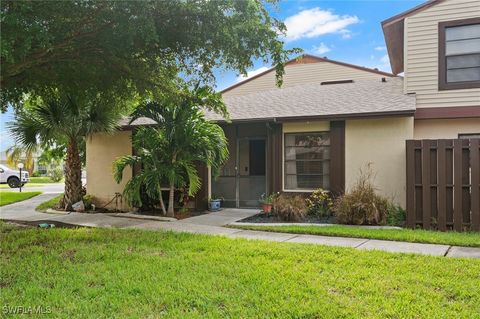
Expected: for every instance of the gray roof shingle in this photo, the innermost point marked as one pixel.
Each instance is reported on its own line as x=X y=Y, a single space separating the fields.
x=368 y=96
x=311 y=100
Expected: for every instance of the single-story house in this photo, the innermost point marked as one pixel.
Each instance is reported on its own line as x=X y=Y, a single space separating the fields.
x=315 y=132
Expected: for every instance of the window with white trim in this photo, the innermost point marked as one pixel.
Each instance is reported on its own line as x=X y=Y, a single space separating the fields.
x=306 y=161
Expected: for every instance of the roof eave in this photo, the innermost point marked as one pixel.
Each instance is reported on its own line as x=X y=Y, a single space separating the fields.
x=393 y=30
x=394 y=39
x=330 y=117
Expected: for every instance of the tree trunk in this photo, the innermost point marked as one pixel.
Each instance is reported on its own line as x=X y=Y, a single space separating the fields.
x=162 y=204
x=73 y=176
x=171 y=198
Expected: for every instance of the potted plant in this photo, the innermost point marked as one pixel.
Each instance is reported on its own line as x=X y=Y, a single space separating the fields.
x=267 y=202
x=214 y=203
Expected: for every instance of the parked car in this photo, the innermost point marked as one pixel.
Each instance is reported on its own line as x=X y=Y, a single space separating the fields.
x=12 y=177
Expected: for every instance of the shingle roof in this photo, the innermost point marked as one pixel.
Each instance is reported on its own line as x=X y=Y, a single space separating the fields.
x=361 y=98
x=370 y=96
x=125 y=122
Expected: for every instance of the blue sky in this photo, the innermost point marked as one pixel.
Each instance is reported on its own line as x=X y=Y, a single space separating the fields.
x=344 y=30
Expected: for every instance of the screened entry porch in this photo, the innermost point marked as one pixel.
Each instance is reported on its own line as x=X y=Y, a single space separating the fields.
x=266 y=157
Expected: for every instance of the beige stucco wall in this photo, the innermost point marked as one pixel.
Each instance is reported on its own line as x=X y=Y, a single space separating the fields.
x=437 y=129
x=297 y=74
x=102 y=150
x=382 y=143
x=421 y=54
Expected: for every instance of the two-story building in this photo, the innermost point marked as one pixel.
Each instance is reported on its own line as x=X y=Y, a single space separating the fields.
x=437 y=47
x=331 y=119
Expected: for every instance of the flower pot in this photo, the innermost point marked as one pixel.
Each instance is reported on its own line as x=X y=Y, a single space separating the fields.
x=214 y=205
x=267 y=208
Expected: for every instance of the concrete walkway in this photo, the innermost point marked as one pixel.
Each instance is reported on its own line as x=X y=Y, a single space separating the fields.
x=213 y=223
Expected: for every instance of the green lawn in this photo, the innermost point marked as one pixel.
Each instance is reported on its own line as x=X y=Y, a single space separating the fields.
x=7 y=198
x=48 y=204
x=470 y=239
x=105 y=273
x=35 y=182
x=42 y=180
x=28 y=185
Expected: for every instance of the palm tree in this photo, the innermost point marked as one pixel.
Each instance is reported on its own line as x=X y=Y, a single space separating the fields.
x=169 y=151
x=16 y=154
x=68 y=121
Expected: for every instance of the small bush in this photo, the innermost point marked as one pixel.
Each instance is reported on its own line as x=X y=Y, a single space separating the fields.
x=88 y=201
x=56 y=174
x=35 y=174
x=320 y=203
x=396 y=216
x=290 y=207
x=362 y=206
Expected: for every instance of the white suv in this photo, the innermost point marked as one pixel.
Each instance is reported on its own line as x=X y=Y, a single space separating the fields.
x=12 y=177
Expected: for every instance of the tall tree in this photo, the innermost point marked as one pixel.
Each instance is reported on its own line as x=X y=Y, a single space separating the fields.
x=66 y=120
x=130 y=46
x=169 y=151
x=16 y=154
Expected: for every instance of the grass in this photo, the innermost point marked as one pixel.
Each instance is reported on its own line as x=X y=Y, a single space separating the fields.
x=105 y=273
x=24 y=186
x=48 y=204
x=470 y=239
x=35 y=182
x=7 y=198
x=42 y=180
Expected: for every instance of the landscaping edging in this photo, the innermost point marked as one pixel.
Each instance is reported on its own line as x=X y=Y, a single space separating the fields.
x=312 y=224
x=58 y=212
x=145 y=217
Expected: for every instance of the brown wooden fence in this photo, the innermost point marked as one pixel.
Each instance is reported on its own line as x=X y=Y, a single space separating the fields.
x=443 y=184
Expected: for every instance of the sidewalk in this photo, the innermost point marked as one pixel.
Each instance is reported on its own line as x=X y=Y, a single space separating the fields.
x=212 y=224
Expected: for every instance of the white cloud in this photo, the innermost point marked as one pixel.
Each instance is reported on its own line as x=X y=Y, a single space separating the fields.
x=316 y=22
x=382 y=64
x=346 y=34
x=385 y=60
x=252 y=73
x=321 y=49
x=381 y=48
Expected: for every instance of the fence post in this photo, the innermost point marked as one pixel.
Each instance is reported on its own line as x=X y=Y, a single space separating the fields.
x=475 y=180
x=426 y=185
x=442 y=185
x=457 y=185
x=411 y=214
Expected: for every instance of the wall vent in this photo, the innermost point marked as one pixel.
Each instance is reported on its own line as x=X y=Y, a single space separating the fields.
x=336 y=82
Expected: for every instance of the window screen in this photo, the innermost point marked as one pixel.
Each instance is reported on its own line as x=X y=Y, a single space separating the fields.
x=307 y=161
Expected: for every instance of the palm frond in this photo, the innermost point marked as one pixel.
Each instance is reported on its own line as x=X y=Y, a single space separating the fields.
x=121 y=163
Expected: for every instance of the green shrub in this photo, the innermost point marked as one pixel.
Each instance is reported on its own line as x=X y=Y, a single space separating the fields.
x=35 y=174
x=396 y=216
x=320 y=203
x=290 y=207
x=56 y=174
x=362 y=206
x=88 y=201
